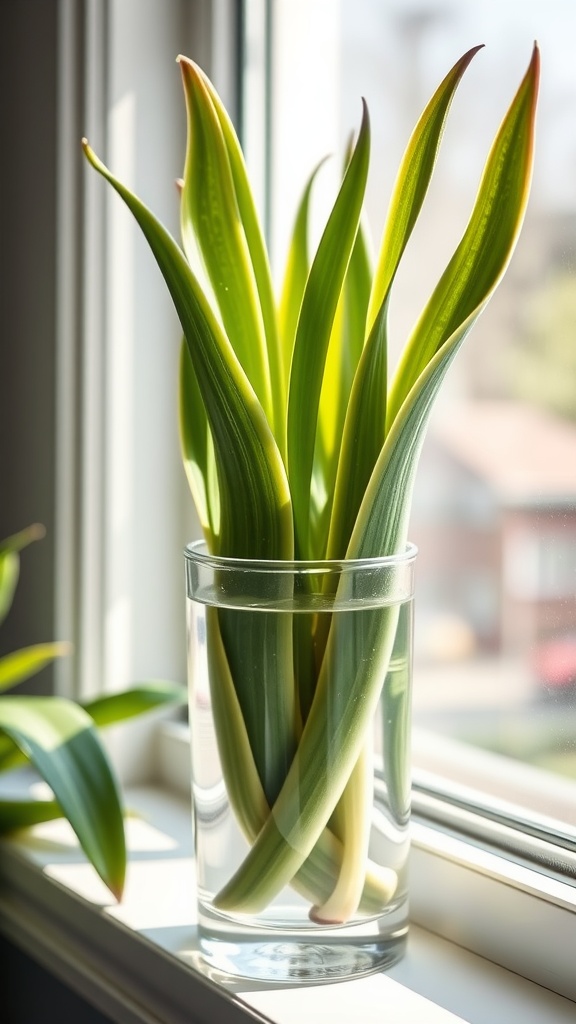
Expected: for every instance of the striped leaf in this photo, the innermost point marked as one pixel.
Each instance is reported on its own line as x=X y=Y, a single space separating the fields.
x=364 y=431
x=259 y=256
x=211 y=219
x=319 y=305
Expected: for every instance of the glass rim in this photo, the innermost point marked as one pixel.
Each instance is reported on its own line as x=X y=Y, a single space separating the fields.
x=197 y=551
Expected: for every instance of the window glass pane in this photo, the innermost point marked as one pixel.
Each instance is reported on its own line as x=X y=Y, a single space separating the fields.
x=495 y=504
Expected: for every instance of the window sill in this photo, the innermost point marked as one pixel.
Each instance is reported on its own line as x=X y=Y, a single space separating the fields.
x=135 y=962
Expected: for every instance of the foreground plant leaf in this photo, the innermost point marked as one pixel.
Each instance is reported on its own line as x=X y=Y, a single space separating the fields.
x=460 y=296
x=295 y=275
x=60 y=740
x=255 y=506
x=211 y=220
x=488 y=242
x=331 y=742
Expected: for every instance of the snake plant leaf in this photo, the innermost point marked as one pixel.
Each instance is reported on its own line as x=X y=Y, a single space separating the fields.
x=295 y=274
x=346 y=697
x=412 y=182
x=20 y=665
x=16 y=814
x=488 y=242
x=344 y=352
x=482 y=256
x=260 y=263
x=10 y=563
x=60 y=739
x=319 y=874
x=210 y=217
x=197 y=449
x=256 y=508
x=256 y=514
x=317 y=314
x=364 y=431
x=382 y=523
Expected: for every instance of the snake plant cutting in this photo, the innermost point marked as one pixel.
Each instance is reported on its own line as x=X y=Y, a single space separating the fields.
x=298 y=443
x=60 y=738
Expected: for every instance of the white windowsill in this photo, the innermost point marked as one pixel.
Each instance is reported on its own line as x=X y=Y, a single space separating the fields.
x=135 y=961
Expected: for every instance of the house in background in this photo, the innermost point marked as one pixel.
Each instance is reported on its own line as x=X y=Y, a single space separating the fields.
x=495 y=520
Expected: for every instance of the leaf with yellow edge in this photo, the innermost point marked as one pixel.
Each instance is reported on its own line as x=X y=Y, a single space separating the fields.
x=487 y=245
x=346 y=697
x=210 y=219
x=260 y=264
x=364 y=430
x=317 y=313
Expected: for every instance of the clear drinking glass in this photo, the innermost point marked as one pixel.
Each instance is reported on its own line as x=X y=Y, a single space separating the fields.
x=300 y=691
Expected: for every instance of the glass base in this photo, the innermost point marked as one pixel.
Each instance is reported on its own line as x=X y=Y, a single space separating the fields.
x=293 y=957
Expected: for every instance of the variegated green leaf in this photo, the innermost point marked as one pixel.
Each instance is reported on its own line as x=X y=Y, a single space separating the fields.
x=197 y=449
x=364 y=432
x=10 y=563
x=260 y=264
x=487 y=245
x=255 y=507
x=211 y=219
x=317 y=314
x=255 y=500
x=344 y=352
x=295 y=275
x=345 y=692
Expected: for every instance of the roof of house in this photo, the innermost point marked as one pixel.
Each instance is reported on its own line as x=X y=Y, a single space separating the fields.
x=526 y=455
